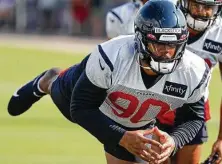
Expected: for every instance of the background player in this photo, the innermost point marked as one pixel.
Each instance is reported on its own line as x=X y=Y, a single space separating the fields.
x=120 y=20
x=205 y=40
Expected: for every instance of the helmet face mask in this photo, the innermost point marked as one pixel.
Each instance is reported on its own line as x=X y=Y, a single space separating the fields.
x=162 y=52
x=165 y=49
x=161 y=36
x=200 y=14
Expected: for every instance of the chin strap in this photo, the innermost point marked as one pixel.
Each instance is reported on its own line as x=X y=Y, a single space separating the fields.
x=138 y=61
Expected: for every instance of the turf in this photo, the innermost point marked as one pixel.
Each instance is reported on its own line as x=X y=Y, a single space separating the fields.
x=42 y=135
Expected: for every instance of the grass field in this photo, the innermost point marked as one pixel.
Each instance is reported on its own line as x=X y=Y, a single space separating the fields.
x=42 y=135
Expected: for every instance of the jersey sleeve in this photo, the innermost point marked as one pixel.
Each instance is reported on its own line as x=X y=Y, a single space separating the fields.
x=201 y=89
x=113 y=25
x=189 y=116
x=99 y=68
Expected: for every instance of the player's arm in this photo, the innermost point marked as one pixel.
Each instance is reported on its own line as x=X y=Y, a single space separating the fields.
x=189 y=120
x=113 y=25
x=87 y=96
x=86 y=99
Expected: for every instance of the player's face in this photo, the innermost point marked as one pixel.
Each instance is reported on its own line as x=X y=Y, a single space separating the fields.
x=201 y=10
x=162 y=52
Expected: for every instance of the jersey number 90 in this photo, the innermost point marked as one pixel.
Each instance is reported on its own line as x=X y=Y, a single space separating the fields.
x=133 y=105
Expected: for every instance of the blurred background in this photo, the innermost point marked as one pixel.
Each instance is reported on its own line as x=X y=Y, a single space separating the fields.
x=36 y=35
x=63 y=17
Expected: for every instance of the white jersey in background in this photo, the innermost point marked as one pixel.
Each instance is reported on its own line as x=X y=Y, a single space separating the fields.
x=209 y=45
x=120 y=20
x=114 y=66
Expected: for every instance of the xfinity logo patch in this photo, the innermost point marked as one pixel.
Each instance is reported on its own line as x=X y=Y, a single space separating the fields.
x=168 y=30
x=212 y=46
x=175 y=89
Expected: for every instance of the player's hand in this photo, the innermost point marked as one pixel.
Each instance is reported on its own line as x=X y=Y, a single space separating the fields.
x=167 y=142
x=136 y=143
x=217 y=148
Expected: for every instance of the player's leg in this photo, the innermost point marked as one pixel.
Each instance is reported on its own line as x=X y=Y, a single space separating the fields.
x=110 y=159
x=31 y=92
x=189 y=154
x=61 y=101
x=61 y=88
